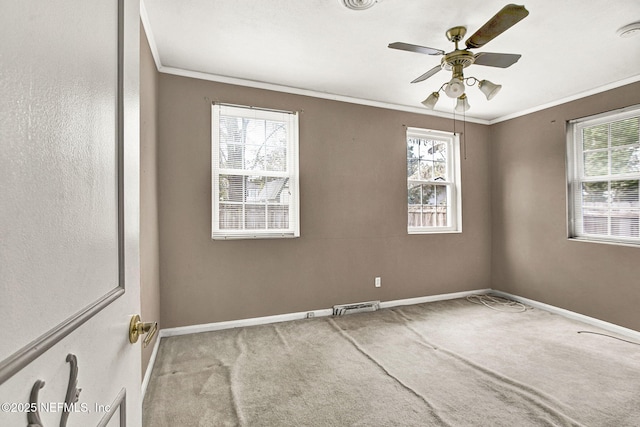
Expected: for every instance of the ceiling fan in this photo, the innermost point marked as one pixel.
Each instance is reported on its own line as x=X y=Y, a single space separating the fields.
x=458 y=59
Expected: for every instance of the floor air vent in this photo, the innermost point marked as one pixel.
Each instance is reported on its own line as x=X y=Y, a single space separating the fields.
x=342 y=309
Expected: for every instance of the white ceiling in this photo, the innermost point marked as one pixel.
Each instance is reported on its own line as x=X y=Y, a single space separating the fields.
x=319 y=47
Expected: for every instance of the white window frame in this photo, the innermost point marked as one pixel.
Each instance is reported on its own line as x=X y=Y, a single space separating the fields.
x=454 y=193
x=291 y=173
x=575 y=175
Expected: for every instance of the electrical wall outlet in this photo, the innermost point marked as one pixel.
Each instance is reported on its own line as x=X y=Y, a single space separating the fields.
x=378 y=282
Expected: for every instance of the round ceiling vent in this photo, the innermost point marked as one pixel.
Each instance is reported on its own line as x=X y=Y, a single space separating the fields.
x=359 y=4
x=629 y=30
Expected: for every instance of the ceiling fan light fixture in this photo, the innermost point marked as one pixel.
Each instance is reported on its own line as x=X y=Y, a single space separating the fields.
x=462 y=104
x=431 y=100
x=489 y=89
x=460 y=58
x=455 y=88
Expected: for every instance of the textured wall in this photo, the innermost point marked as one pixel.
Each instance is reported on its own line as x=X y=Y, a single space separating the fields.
x=532 y=256
x=149 y=246
x=353 y=213
x=58 y=204
x=59 y=237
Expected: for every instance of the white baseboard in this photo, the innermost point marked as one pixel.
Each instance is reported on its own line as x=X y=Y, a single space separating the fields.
x=150 y=365
x=611 y=327
x=209 y=327
x=432 y=298
x=217 y=326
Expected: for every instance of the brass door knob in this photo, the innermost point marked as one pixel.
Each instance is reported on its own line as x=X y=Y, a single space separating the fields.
x=137 y=328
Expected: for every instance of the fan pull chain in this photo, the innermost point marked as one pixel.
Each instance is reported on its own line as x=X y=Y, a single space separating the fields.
x=454 y=120
x=464 y=133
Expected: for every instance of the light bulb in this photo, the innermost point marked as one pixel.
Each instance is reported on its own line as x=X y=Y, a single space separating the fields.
x=454 y=88
x=462 y=104
x=489 y=89
x=431 y=100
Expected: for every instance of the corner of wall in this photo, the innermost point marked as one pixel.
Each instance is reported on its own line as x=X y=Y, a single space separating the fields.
x=149 y=231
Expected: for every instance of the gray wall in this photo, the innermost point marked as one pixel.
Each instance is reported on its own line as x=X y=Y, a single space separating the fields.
x=532 y=256
x=353 y=213
x=149 y=246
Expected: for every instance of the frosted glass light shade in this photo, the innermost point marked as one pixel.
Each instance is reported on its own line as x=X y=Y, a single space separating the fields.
x=454 y=88
x=431 y=100
x=489 y=89
x=462 y=104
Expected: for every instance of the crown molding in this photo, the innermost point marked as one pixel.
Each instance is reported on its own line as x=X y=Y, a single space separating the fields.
x=580 y=95
x=311 y=93
x=352 y=100
x=144 y=18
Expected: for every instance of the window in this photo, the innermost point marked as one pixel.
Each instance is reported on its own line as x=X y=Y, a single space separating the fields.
x=433 y=182
x=254 y=173
x=603 y=173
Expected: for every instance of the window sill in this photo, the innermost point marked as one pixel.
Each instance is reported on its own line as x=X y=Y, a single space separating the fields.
x=433 y=231
x=252 y=236
x=605 y=242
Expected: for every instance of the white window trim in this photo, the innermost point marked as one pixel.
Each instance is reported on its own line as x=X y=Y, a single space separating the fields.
x=454 y=214
x=292 y=172
x=575 y=169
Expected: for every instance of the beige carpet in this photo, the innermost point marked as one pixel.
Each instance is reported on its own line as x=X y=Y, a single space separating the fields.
x=450 y=363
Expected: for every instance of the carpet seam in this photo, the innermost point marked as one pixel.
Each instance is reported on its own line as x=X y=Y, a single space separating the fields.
x=512 y=385
x=354 y=342
x=234 y=370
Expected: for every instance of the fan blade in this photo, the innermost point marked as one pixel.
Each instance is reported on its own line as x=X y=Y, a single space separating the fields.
x=428 y=74
x=508 y=16
x=416 y=48
x=500 y=60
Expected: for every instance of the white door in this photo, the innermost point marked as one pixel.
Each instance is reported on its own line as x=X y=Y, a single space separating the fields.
x=69 y=195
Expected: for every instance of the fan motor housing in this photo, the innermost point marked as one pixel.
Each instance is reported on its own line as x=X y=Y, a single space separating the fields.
x=462 y=58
